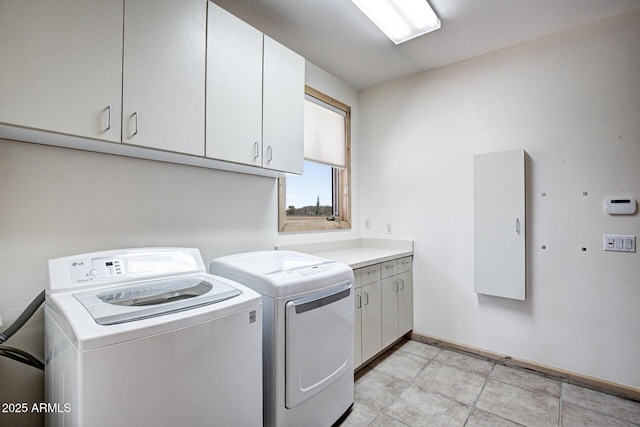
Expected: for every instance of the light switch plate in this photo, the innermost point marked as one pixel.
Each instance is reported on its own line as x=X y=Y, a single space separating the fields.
x=619 y=243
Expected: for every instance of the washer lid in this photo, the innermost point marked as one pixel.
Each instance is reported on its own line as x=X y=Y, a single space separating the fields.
x=153 y=298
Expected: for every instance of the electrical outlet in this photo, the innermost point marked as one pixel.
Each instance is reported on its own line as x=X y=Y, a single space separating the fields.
x=367 y=224
x=389 y=228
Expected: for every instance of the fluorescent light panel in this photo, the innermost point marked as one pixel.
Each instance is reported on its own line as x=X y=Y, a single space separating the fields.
x=400 y=20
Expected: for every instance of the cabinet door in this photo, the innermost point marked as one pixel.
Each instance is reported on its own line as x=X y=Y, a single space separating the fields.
x=62 y=66
x=164 y=74
x=390 y=288
x=234 y=89
x=357 y=328
x=405 y=303
x=499 y=224
x=371 y=320
x=282 y=108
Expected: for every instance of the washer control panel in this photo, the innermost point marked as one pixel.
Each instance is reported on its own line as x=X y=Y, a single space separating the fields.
x=119 y=265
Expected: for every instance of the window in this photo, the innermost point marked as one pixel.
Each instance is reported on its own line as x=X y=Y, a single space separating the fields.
x=320 y=199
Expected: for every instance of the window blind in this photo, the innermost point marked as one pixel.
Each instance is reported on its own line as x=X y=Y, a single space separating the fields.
x=324 y=133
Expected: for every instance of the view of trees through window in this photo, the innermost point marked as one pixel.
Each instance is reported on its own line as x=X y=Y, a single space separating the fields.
x=311 y=193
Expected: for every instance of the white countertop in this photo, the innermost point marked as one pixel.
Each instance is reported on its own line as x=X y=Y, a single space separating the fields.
x=363 y=256
x=358 y=253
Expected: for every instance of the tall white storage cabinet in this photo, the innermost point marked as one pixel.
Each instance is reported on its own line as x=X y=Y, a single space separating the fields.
x=499 y=224
x=164 y=74
x=62 y=78
x=255 y=96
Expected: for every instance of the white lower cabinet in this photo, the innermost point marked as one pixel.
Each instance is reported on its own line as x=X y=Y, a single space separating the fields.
x=371 y=319
x=383 y=306
x=390 y=288
x=405 y=303
x=357 y=327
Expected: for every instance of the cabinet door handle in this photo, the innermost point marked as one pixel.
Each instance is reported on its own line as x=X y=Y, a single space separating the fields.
x=518 y=225
x=397 y=286
x=358 y=301
x=402 y=284
x=256 y=146
x=366 y=298
x=108 y=117
x=269 y=154
x=135 y=122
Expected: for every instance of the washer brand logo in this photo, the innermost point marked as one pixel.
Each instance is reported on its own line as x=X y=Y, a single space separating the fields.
x=252 y=316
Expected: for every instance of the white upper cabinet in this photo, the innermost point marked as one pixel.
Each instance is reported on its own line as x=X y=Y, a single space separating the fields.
x=163 y=93
x=62 y=66
x=255 y=97
x=282 y=108
x=154 y=76
x=234 y=89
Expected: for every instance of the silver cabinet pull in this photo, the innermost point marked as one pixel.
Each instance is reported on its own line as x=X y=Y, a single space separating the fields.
x=256 y=146
x=108 y=117
x=358 y=301
x=518 y=225
x=366 y=298
x=396 y=286
x=402 y=284
x=135 y=115
x=269 y=154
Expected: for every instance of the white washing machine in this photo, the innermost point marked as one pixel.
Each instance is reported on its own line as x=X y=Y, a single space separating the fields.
x=145 y=337
x=307 y=337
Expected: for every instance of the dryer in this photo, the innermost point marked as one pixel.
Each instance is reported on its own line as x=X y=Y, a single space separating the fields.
x=148 y=337
x=308 y=320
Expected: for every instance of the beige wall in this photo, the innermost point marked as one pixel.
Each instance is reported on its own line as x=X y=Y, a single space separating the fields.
x=57 y=202
x=572 y=101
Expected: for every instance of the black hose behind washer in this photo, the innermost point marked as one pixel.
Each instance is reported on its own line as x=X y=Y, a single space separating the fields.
x=14 y=353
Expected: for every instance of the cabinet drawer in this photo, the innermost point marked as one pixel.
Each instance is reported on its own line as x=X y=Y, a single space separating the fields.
x=404 y=264
x=389 y=268
x=370 y=274
x=357 y=278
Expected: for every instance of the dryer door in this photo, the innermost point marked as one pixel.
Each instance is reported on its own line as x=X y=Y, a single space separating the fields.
x=319 y=342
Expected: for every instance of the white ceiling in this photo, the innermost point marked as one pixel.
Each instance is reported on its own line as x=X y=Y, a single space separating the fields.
x=336 y=36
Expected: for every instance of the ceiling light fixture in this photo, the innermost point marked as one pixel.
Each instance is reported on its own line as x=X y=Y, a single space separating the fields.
x=400 y=20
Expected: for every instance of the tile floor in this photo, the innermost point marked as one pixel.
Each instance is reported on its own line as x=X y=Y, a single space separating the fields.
x=415 y=384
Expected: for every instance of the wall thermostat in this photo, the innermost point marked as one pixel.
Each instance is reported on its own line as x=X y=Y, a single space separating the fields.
x=620 y=205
